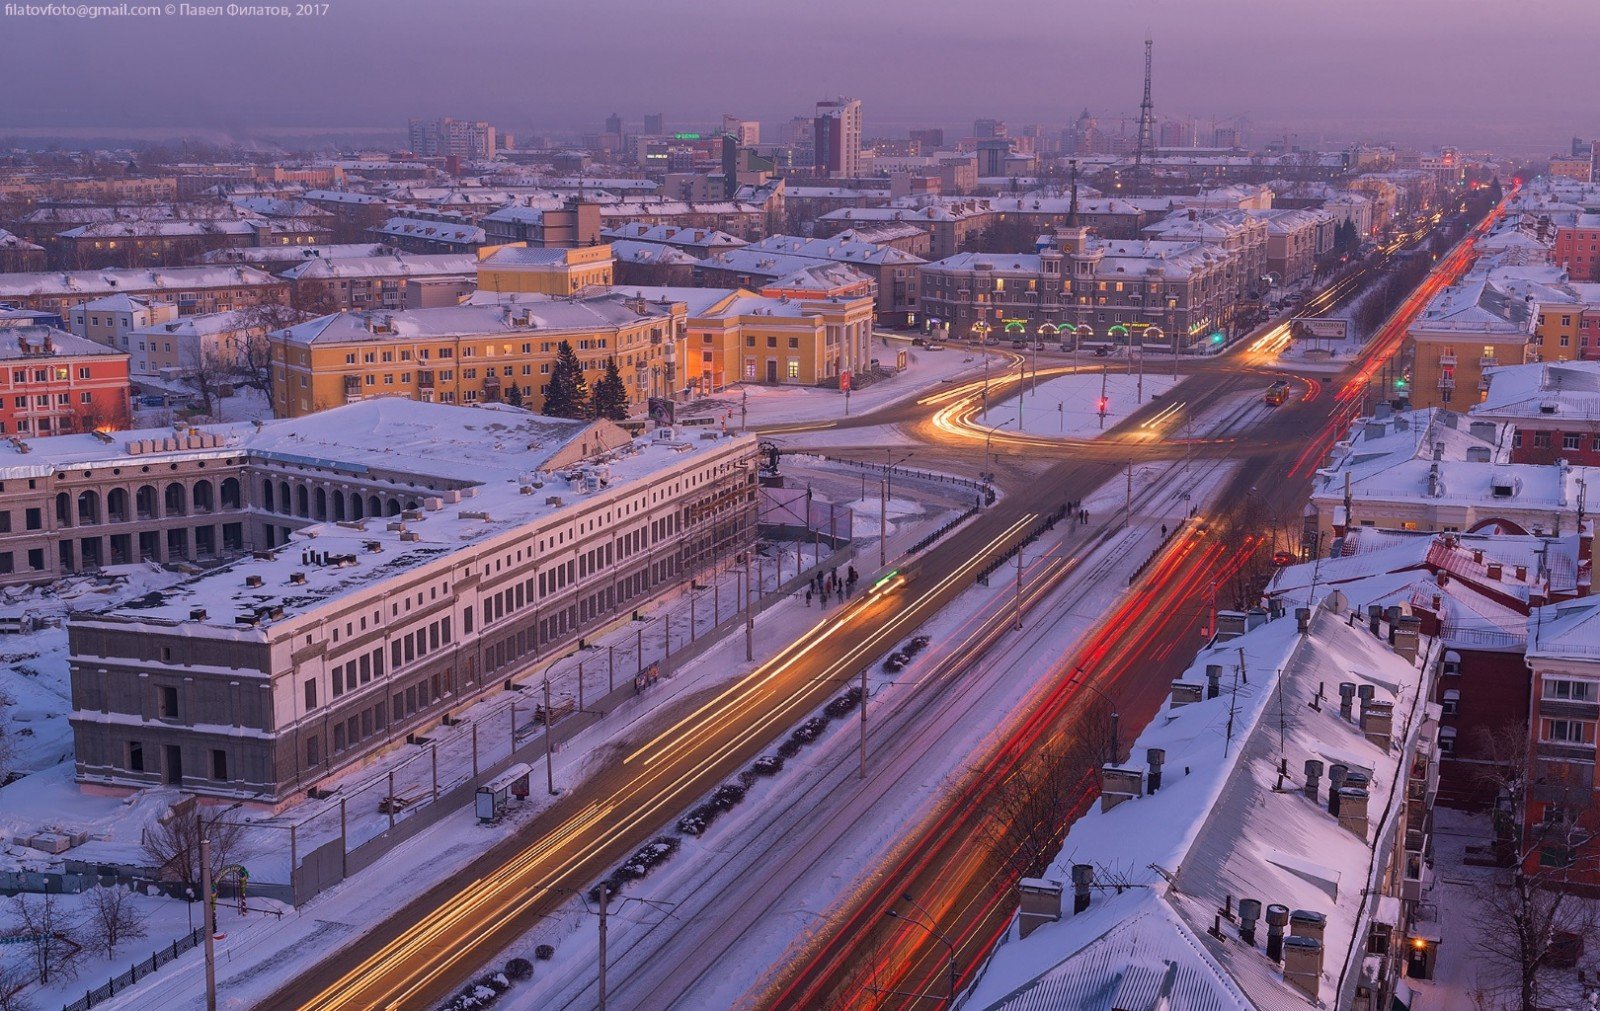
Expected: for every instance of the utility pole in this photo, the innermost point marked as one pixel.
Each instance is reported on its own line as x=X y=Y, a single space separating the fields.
x=605 y=897
x=210 y=923
x=1140 y=397
x=749 y=614
x=1019 y=587
x=1105 y=379
x=1127 y=513
x=883 y=522
x=744 y=409
x=549 y=761
x=863 y=773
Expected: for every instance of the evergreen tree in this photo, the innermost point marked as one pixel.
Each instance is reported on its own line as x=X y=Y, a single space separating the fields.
x=1495 y=192
x=514 y=395
x=610 y=396
x=568 y=393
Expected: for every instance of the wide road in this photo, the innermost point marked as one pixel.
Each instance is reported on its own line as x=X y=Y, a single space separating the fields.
x=924 y=925
x=443 y=937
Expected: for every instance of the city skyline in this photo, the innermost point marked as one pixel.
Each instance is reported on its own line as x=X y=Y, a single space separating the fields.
x=1323 y=75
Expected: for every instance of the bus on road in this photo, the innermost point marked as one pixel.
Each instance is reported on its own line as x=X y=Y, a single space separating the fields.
x=1277 y=393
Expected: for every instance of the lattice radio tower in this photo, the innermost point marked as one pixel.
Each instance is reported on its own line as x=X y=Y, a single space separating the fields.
x=1147 y=127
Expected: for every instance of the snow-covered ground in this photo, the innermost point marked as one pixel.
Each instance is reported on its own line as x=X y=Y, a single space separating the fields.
x=246 y=404
x=1459 y=893
x=771 y=405
x=259 y=955
x=747 y=892
x=33 y=665
x=1069 y=406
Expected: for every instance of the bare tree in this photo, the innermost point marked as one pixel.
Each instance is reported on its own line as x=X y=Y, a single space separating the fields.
x=210 y=374
x=1545 y=826
x=173 y=846
x=13 y=978
x=113 y=917
x=49 y=935
x=1028 y=812
x=258 y=322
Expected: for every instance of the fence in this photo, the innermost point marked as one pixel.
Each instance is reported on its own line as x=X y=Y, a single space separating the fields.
x=324 y=849
x=923 y=475
x=115 y=985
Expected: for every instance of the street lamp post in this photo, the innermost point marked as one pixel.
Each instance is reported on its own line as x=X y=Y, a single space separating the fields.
x=981 y=328
x=988 y=443
x=933 y=931
x=1116 y=749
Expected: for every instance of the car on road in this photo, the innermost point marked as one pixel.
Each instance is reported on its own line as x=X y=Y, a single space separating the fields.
x=1282 y=558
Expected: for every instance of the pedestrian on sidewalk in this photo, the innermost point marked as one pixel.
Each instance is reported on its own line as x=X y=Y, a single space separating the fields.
x=808 y=598
x=855 y=577
x=1163 y=530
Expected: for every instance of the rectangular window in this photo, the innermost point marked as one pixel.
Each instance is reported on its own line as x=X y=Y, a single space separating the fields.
x=1564 y=690
x=219 y=765
x=135 y=756
x=167 y=702
x=311 y=695
x=1567 y=731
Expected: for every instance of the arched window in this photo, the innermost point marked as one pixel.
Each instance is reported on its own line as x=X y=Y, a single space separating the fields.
x=204 y=498
x=176 y=501
x=338 y=505
x=302 y=501
x=89 y=506
x=144 y=502
x=230 y=493
x=117 y=505
x=266 y=496
x=321 y=501
x=63 y=509
x=393 y=508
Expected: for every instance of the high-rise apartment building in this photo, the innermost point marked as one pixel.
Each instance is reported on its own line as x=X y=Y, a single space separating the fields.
x=439 y=138
x=655 y=124
x=837 y=131
x=928 y=140
x=746 y=131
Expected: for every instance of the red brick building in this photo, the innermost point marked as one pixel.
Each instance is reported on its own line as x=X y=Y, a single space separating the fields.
x=1578 y=248
x=54 y=382
x=1552 y=410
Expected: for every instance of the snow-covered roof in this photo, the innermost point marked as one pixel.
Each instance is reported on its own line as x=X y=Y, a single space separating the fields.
x=1226 y=826
x=194 y=229
x=1556 y=390
x=657 y=254
x=463 y=468
x=477 y=318
x=274 y=255
x=42 y=344
x=397 y=264
x=11 y=241
x=525 y=256
x=675 y=235
x=448 y=232
x=838 y=249
x=1476 y=306
x=90 y=282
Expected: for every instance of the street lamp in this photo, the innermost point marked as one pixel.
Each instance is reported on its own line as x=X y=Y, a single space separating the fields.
x=981 y=328
x=1080 y=678
x=932 y=931
x=988 y=442
x=883 y=506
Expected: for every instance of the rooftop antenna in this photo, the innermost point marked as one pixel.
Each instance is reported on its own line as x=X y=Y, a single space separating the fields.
x=1147 y=145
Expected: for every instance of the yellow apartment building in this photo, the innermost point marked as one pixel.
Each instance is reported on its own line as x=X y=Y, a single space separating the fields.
x=519 y=268
x=1473 y=325
x=475 y=353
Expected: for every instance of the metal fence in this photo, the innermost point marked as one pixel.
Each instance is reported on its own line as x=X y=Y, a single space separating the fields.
x=159 y=957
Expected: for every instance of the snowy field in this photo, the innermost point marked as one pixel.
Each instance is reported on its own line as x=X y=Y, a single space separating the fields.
x=1068 y=406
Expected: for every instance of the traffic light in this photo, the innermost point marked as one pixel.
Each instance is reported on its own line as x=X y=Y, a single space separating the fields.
x=1103 y=404
x=1400 y=383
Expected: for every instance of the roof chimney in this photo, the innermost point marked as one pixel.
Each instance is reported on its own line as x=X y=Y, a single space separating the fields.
x=1302 y=965
x=1249 y=912
x=1213 y=680
x=1118 y=784
x=1378 y=723
x=1336 y=774
x=1313 y=778
x=1040 y=900
x=1184 y=693
x=1302 y=617
x=1155 y=756
x=1277 y=919
x=1082 y=881
x=1353 y=810
x=1347 y=698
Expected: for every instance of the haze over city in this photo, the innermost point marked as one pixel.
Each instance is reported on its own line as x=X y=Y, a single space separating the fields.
x=861 y=505
x=1418 y=70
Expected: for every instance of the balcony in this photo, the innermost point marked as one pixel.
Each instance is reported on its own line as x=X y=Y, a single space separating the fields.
x=1565 y=709
x=1447 y=383
x=1447 y=359
x=425 y=380
x=1488 y=361
x=1566 y=752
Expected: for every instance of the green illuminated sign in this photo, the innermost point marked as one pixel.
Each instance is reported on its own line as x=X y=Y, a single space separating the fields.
x=686 y=136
